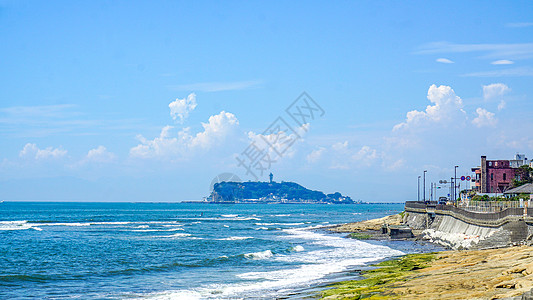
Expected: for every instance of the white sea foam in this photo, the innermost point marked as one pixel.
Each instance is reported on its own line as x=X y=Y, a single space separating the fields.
x=179 y=294
x=158 y=230
x=229 y=216
x=63 y=224
x=332 y=254
x=297 y=248
x=259 y=255
x=176 y=235
x=283 y=224
x=23 y=225
x=262 y=228
x=236 y=238
x=14 y=225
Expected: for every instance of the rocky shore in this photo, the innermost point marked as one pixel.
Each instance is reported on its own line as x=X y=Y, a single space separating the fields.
x=503 y=273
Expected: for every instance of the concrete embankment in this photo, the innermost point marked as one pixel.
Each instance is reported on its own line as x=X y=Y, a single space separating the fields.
x=460 y=229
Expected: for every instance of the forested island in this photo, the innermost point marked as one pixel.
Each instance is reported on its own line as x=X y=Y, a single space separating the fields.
x=271 y=192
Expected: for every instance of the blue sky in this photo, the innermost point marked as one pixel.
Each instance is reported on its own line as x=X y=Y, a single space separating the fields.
x=149 y=101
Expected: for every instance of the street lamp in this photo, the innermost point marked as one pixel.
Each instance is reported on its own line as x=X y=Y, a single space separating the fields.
x=418 y=190
x=454 y=183
x=424 y=198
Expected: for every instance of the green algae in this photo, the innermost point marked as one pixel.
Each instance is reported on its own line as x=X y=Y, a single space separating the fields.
x=359 y=236
x=376 y=281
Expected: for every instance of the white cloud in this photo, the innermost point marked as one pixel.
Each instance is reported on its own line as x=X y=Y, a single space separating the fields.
x=395 y=165
x=180 y=108
x=519 y=24
x=100 y=154
x=218 y=127
x=513 y=51
x=502 y=62
x=32 y=151
x=494 y=90
x=315 y=155
x=365 y=154
x=217 y=86
x=341 y=155
x=513 y=72
x=447 y=108
x=279 y=142
x=444 y=61
x=183 y=144
x=484 y=118
x=501 y=105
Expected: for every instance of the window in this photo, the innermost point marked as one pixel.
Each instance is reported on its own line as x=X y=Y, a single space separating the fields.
x=490 y=164
x=491 y=176
x=504 y=176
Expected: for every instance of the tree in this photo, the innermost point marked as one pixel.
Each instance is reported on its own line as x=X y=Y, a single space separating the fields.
x=523 y=175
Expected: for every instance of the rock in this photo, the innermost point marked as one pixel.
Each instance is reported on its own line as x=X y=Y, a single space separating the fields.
x=506 y=284
x=528 y=269
x=374 y=224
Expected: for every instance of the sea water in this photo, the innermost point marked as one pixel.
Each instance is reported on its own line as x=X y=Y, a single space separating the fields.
x=178 y=250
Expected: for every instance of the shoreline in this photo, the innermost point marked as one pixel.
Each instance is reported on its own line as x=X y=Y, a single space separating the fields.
x=498 y=273
x=409 y=246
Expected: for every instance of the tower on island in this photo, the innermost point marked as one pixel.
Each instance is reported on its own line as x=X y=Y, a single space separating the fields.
x=271 y=176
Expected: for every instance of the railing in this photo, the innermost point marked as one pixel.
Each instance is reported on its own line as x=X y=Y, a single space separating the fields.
x=490 y=206
x=497 y=213
x=483 y=216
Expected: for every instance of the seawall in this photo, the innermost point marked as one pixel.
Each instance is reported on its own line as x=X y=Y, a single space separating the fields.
x=461 y=229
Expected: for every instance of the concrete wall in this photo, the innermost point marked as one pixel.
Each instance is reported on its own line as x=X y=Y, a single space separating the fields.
x=459 y=229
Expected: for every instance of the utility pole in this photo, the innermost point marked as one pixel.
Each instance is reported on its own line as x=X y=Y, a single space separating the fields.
x=418 y=190
x=431 y=192
x=424 y=185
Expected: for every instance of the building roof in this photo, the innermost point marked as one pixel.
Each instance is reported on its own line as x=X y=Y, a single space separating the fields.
x=523 y=189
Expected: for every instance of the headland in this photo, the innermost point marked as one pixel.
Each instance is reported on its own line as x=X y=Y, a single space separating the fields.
x=271 y=192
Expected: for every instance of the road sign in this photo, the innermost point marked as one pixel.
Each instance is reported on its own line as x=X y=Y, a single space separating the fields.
x=463 y=178
x=468 y=178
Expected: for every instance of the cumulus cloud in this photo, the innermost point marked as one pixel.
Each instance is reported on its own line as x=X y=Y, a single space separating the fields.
x=341 y=155
x=502 y=62
x=100 y=154
x=166 y=145
x=494 y=90
x=484 y=118
x=315 y=155
x=180 y=108
x=32 y=151
x=501 y=105
x=365 y=154
x=278 y=140
x=447 y=107
x=444 y=61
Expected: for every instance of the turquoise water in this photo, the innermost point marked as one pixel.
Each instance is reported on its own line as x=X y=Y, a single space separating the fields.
x=177 y=251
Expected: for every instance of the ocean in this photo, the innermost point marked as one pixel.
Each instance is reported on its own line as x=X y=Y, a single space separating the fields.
x=180 y=250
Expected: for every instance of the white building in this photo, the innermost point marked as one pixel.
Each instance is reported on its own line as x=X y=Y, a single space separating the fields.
x=520 y=160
